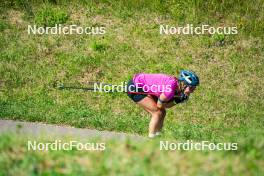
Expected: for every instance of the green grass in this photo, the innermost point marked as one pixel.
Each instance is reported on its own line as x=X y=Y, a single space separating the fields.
x=226 y=107
x=48 y=16
x=122 y=158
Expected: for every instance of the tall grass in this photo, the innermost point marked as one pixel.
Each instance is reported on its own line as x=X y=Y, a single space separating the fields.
x=121 y=158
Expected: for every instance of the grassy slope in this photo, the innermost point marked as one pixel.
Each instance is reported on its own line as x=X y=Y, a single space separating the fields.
x=226 y=107
x=120 y=158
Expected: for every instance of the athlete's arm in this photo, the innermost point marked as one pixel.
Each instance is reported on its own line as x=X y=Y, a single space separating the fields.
x=169 y=104
x=162 y=100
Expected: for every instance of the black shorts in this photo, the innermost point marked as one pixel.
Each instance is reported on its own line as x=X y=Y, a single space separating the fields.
x=136 y=97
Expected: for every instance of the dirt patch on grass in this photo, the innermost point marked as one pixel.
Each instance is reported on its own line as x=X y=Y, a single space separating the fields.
x=89 y=75
x=15 y=18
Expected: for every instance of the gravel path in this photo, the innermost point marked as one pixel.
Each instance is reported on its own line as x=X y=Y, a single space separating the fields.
x=47 y=130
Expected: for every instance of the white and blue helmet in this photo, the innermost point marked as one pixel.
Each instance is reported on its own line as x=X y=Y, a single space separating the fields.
x=189 y=78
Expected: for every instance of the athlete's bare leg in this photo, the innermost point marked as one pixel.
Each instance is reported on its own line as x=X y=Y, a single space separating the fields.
x=157 y=115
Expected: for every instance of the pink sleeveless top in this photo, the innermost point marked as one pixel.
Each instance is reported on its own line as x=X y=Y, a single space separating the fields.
x=156 y=84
